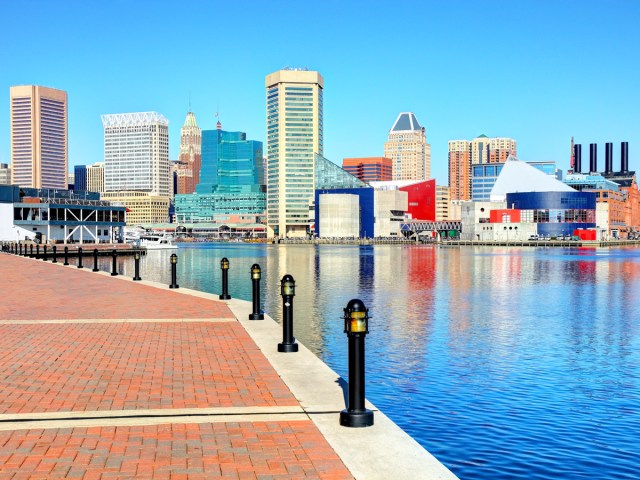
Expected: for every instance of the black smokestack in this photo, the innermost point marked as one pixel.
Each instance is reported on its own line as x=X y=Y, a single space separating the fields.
x=577 y=154
x=593 y=157
x=608 y=158
x=624 y=156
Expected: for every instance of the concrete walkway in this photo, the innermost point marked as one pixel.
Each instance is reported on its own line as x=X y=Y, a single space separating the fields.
x=103 y=377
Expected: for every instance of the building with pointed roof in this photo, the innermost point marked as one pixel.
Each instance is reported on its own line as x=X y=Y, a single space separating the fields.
x=408 y=148
x=190 y=159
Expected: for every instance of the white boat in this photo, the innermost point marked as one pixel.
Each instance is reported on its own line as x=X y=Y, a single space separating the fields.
x=152 y=241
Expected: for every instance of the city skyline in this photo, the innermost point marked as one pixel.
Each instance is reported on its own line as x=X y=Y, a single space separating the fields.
x=538 y=73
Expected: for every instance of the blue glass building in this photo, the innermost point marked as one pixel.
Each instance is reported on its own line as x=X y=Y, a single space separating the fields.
x=231 y=180
x=484 y=176
x=80 y=178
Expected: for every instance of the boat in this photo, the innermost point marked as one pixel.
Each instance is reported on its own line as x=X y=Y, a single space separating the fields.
x=152 y=241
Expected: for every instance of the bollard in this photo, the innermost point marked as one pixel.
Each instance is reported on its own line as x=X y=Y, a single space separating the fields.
x=44 y=254
x=287 y=291
x=256 y=273
x=114 y=267
x=55 y=258
x=95 y=260
x=31 y=251
x=66 y=256
x=20 y=249
x=174 y=261
x=136 y=258
x=224 y=266
x=38 y=251
x=80 y=257
x=356 y=326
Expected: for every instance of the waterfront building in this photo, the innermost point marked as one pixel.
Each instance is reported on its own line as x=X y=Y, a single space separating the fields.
x=190 y=159
x=443 y=200
x=136 y=153
x=142 y=207
x=95 y=177
x=369 y=169
x=484 y=176
x=79 y=178
x=39 y=153
x=408 y=148
x=421 y=197
x=5 y=174
x=463 y=154
x=232 y=182
x=58 y=216
x=294 y=136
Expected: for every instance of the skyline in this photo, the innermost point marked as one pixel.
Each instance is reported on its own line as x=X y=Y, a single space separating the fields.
x=539 y=75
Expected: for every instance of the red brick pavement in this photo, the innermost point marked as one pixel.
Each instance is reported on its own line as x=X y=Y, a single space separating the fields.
x=259 y=450
x=42 y=291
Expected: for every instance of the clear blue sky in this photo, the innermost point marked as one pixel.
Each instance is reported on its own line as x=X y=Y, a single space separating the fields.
x=537 y=71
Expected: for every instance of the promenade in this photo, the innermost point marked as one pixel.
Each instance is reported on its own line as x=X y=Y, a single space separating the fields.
x=103 y=377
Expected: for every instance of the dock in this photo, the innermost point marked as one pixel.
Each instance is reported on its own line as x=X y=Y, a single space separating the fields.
x=104 y=377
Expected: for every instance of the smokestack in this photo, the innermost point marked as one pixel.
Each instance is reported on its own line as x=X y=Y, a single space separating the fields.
x=577 y=153
x=608 y=158
x=593 y=157
x=624 y=157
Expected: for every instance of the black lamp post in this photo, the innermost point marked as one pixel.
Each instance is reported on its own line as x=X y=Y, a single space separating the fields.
x=136 y=258
x=66 y=256
x=174 y=261
x=114 y=268
x=287 y=291
x=55 y=258
x=356 y=326
x=80 y=257
x=44 y=254
x=224 y=266
x=256 y=273
x=95 y=260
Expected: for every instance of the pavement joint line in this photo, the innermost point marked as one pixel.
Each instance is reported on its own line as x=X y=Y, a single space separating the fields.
x=117 y=320
x=146 y=421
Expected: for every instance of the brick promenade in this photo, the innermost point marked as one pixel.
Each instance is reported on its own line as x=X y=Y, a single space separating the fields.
x=105 y=378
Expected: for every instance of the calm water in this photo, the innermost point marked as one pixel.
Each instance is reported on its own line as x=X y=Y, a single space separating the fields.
x=503 y=363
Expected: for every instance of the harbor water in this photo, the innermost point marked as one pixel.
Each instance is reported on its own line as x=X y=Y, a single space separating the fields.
x=504 y=363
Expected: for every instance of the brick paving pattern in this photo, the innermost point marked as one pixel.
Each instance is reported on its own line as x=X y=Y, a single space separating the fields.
x=116 y=366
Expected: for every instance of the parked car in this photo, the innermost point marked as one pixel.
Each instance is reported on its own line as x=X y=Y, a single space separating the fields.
x=534 y=237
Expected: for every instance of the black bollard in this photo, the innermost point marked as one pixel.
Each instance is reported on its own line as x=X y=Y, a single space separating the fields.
x=136 y=258
x=55 y=258
x=287 y=291
x=95 y=260
x=44 y=254
x=31 y=251
x=114 y=267
x=224 y=266
x=174 y=261
x=20 y=246
x=66 y=256
x=256 y=273
x=356 y=326
x=38 y=251
x=80 y=257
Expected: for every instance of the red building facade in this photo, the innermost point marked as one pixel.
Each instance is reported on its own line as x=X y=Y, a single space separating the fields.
x=369 y=169
x=422 y=200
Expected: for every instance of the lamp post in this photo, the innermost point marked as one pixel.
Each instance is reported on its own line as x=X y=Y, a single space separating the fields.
x=114 y=267
x=287 y=291
x=174 y=261
x=224 y=266
x=136 y=258
x=80 y=257
x=256 y=274
x=55 y=258
x=356 y=326
x=95 y=260
x=66 y=256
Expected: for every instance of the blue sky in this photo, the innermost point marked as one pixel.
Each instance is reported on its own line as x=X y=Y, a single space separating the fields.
x=537 y=71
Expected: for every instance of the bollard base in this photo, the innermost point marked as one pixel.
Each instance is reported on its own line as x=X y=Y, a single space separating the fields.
x=256 y=316
x=136 y=279
x=224 y=296
x=113 y=274
x=287 y=347
x=175 y=285
x=95 y=269
x=356 y=419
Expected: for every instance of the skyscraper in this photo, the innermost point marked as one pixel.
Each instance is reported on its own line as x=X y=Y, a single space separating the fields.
x=408 y=148
x=369 y=169
x=39 y=152
x=294 y=136
x=95 y=177
x=190 y=160
x=136 y=152
x=80 y=178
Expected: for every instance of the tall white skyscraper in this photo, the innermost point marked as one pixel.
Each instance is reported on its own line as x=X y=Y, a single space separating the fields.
x=294 y=135
x=408 y=148
x=136 y=153
x=39 y=154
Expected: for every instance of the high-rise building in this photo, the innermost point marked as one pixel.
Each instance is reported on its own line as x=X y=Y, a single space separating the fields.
x=369 y=169
x=294 y=136
x=442 y=203
x=408 y=148
x=39 y=152
x=80 y=178
x=95 y=177
x=5 y=174
x=190 y=160
x=136 y=153
x=481 y=150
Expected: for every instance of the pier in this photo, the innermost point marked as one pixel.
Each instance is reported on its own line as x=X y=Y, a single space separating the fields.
x=104 y=377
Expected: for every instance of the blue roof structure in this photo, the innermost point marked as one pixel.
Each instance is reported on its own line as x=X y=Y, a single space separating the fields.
x=406 y=122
